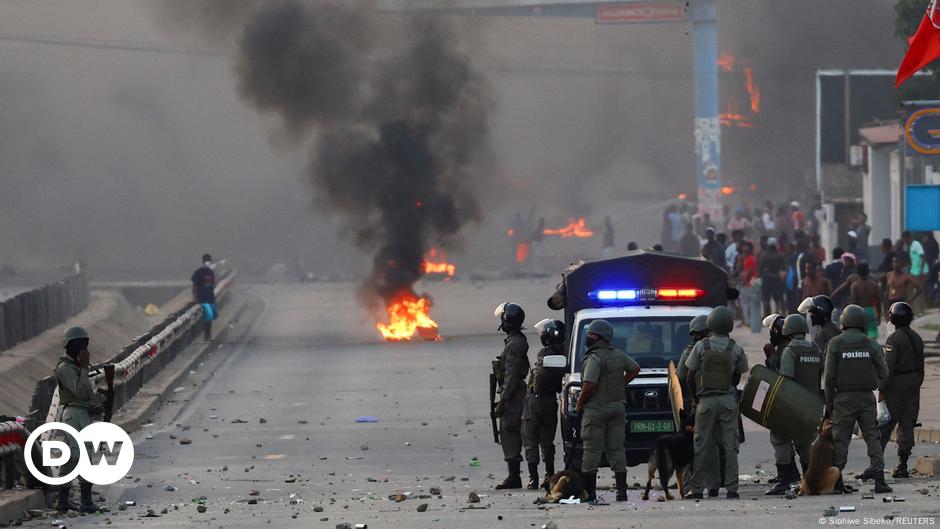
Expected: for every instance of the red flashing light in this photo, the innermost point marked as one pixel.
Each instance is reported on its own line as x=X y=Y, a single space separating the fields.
x=679 y=293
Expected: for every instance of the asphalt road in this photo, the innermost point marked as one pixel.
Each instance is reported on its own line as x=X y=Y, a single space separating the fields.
x=301 y=374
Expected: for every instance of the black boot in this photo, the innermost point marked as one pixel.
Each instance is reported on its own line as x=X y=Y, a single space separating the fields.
x=783 y=481
x=590 y=485
x=842 y=488
x=870 y=473
x=549 y=467
x=87 y=506
x=881 y=487
x=794 y=472
x=533 y=476
x=900 y=471
x=513 y=481
x=621 y=478
x=63 y=505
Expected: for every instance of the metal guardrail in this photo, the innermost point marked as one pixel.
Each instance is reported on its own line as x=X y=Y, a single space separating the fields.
x=134 y=365
x=30 y=313
x=13 y=437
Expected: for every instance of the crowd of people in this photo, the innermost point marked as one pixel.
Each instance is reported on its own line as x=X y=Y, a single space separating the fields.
x=774 y=258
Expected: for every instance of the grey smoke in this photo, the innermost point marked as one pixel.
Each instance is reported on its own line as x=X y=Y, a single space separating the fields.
x=397 y=117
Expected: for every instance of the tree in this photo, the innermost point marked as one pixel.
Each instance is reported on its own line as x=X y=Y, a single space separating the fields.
x=909 y=15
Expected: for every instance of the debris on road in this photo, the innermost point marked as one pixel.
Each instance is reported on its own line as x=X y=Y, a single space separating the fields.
x=367 y=418
x=474 y=462
x=473 y=498
x=423 y=507
x=831 y=511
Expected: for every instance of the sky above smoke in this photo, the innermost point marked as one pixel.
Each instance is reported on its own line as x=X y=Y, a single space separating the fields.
x=127 y=140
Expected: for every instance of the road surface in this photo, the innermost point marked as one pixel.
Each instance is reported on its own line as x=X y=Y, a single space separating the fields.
x=310 y=364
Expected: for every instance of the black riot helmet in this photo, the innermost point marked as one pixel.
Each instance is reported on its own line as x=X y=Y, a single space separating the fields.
x=552 y=332
x=820 y=311
x=510 y=317
x=901 y=314
x=775 y=322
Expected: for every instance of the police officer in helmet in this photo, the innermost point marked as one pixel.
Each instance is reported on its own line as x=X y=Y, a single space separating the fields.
x=715 y=368
x=773 y=351
x=76 y=399
x=601 y=403
x=513 y=365
x=801 y=362
x=698 y=330
x=855 y=366
x=904 y=356
x=820 y=310
x=540 y=412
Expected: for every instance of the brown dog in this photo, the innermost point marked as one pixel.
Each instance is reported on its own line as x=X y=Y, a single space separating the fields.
x=561 y=486
x=821 y=476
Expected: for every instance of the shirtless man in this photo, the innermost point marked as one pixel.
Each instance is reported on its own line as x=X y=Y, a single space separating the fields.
x=901 y=285
x=866 y=294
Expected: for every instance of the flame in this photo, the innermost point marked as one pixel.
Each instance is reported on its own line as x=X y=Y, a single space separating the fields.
x=732 y=116
x=752 y=90
x=726 y=62
x=522 y=252
x=436 y=263
x=575 y=228
x=408 y=314
x=510 y=232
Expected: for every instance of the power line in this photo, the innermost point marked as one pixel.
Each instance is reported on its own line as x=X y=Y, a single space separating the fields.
x=106 y=45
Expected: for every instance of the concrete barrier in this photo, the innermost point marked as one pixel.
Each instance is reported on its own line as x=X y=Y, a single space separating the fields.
x=28 y=314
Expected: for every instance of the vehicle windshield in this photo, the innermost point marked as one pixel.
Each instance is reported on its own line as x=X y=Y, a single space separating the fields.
x=652 y=342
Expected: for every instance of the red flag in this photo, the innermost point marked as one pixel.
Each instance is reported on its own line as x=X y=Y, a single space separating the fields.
x=924 y=46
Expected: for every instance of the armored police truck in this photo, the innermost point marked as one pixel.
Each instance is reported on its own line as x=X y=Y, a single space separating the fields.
x=649 y=298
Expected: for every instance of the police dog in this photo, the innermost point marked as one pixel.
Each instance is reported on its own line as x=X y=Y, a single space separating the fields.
x=563 y=485
x=821 y=476
x=671 y=453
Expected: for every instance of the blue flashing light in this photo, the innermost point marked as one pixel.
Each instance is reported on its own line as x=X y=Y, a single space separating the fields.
x=614 y=295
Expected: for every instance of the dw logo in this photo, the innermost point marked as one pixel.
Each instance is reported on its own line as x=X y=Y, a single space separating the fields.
x=105 y=453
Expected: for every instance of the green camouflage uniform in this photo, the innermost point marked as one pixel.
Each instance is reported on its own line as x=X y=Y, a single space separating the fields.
x=512 y=394
x=904 y=356
x=855 y=366
x=827 y=332
x=604 y=419
x=716 y=360
x=801 y=361
x=540 y=415
x=76 y=398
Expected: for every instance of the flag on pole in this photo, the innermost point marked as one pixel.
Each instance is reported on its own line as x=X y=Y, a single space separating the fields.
x=924 y=46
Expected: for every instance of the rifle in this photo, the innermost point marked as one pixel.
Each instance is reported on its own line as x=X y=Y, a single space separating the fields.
x=109 y=392
x=493 y=407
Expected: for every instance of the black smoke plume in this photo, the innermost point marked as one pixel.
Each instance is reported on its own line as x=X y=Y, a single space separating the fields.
x=396 y=115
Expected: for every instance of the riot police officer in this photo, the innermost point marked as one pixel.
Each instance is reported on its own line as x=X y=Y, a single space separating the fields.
x=602 y=400
x=801 y=362
x=855 y=366
x=773 y=350
x=540 y=412
x=904 y=356
x=820 y=310
x=76 y=398
x=698 y=330
x=513 y=365
x=715 y=368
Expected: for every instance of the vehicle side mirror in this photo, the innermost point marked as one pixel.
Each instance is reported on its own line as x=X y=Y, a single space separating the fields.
x=733 y=294
x=555 y=361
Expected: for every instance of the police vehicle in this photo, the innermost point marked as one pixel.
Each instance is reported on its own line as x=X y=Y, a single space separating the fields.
x=649 y=298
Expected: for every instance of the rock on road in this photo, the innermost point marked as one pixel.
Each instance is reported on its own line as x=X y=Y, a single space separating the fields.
x=274 y=442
